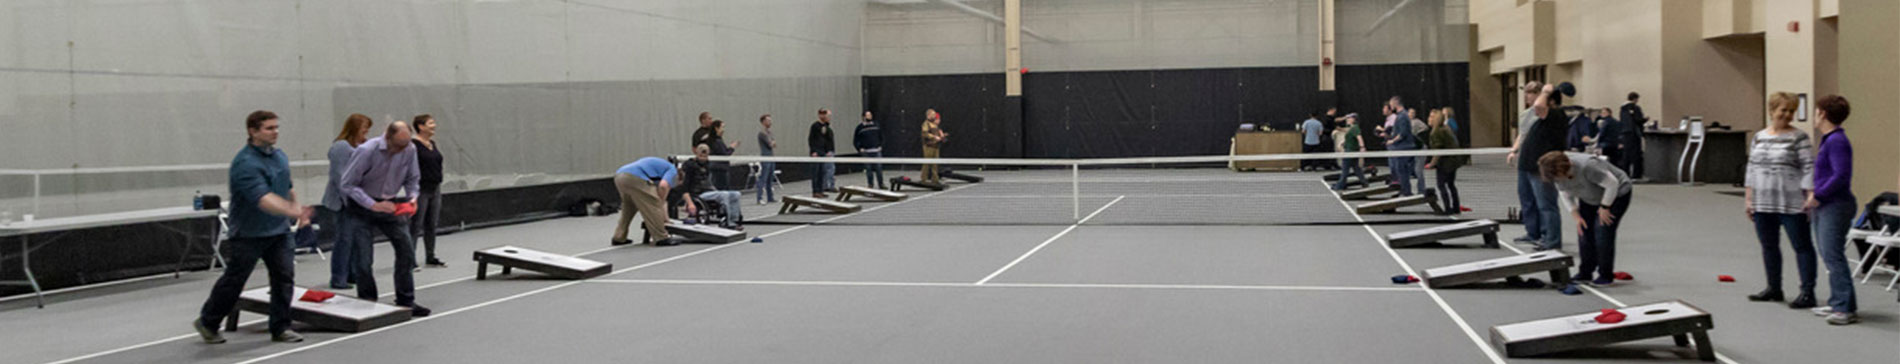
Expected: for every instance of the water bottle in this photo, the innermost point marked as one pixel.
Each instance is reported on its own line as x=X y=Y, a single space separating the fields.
x=197 y=200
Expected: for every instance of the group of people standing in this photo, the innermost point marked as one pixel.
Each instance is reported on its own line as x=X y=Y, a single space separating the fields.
x=1802 y=187
x=370 y=180
x=1401 y=131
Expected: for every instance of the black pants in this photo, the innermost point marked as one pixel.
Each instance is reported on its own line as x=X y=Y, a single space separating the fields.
x=362 y=224
x=428 y=213
x=1448 y=188
x=1306 y=164
x=242 y=256
x=1597 y=243
x=1633 y=157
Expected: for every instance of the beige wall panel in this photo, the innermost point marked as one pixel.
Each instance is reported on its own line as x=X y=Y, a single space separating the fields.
x=1870 y=51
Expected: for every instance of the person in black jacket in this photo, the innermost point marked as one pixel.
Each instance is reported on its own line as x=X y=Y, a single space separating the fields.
x=870 y=142
x=1610 y=141
x=1634 y=121
x=721 y=171
x=704 y=131
x=819 y=139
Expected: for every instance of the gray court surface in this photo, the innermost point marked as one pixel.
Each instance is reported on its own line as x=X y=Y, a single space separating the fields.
x=1166 y=265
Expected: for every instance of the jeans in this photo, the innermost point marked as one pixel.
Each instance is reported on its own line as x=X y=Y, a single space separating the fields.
x=1448 y=188
x=1768 y=230
x=1597 y=242
x=1418 y=170
x=340 y=262
x=728 y=200
x=1538 y=206
x=1348 y=168
x=1831 y=221
x=428 y=214
x=821 y=176
x=873 y=172
x=362 y=224
x=244 y=253
x=766 y=177
x=1402 y=171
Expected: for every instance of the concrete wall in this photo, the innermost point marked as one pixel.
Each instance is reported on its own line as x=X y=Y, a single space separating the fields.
x=931 y=38
x=1870 y=51
x=578 y=86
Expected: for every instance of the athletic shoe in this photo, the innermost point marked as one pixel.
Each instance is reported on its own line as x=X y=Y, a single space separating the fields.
x=1527 y=239
x=342 y=286
x=1822 y=311
x=210 y=335
x=1842 y=318
x=1805 y=300
x=416 y=310
x=437 y=263
x=1603 y=282
x=287 y=337
x=1581 y=278
x=1768 y=295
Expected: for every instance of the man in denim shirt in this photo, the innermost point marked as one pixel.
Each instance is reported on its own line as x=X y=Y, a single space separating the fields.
x=263 y=206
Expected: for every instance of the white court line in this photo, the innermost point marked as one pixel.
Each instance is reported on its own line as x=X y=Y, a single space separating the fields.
x=1460 y=320
x=563 y=285
x=999 y=271
x=1004 y=285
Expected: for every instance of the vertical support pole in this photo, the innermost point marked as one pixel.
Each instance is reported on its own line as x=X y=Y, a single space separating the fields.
x=1012 y=47
x=1326 y=36
x=36 y=193
x=1075 y=186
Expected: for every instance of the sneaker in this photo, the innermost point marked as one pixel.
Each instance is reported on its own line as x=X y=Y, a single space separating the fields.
x=1842 y=318
x=1545 y=248
x=1581 y=278
x=1805 y=300
x=436 y=263
x=210 y=336
x=1527 y=239
x=819 y=195
x=1768 y=295
x=342 y=286
x=287 y=337
x=1603 y=282
x=1822 y=311
x=416 y=310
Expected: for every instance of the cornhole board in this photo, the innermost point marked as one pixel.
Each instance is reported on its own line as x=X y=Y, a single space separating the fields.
x=1435 y=234
x=705 y=233
x=1555 y=262
x=340 y=313
x=1394 y=204
x=845 y=193
x=510 y=257
x=897 y=184
x=1675 y=318
x=792 y=203
x=1368 y=192
x=952 y=174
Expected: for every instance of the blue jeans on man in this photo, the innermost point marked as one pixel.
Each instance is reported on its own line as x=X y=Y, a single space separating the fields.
x=1539 y=212
x=874 y=172
x=1831 y=222
x=1349 y=168
x=361 y=224
x=1402 y=172
x=766 y=177
x=340 y=248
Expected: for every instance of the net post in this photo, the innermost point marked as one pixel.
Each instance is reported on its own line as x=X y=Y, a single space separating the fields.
x=1075 y=189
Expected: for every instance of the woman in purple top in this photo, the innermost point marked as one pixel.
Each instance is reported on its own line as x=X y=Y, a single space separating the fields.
x=1833 y=207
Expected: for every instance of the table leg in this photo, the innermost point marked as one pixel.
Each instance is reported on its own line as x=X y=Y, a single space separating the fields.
x=481 y=270
x=1703 y=349
x=26 y=265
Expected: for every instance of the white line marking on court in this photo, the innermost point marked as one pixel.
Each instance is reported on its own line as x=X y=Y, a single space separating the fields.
x=563 y=285
x=1238 y=195
x=999 y=271
x=1004 y=285
x=1460 y=320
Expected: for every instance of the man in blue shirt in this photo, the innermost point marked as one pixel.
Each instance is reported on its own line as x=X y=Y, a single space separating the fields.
x=870 y=142
x=263 y=206
x=1312 y=128
x=380 y=169
x=642 y=185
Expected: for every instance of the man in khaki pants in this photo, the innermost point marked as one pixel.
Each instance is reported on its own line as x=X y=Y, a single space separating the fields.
x=933 y=139
x=642 y=185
